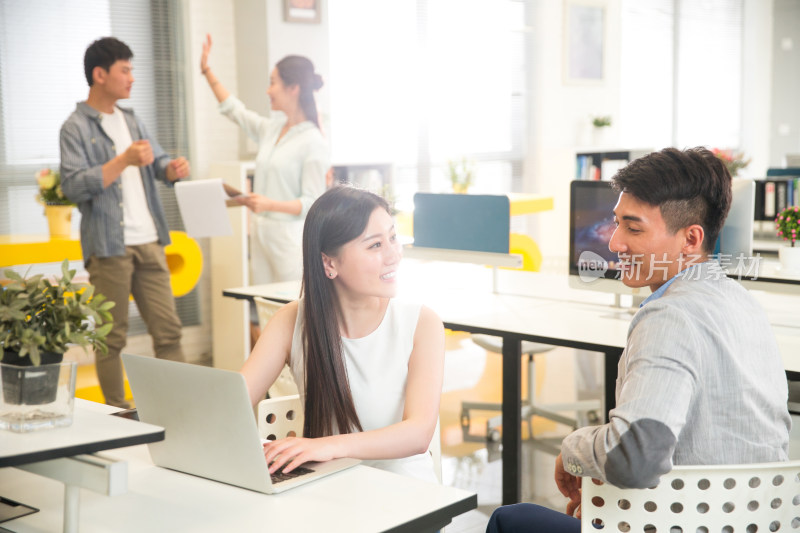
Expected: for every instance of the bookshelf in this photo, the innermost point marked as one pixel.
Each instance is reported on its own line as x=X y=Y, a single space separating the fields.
x=780 y=189
x=602 y=165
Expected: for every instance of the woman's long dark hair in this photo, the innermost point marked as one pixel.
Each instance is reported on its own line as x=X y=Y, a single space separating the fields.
x=336 y=218
x=299 y=70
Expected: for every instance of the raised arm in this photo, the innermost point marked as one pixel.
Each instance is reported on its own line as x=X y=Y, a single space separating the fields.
x=219 y=90
x=411 y=436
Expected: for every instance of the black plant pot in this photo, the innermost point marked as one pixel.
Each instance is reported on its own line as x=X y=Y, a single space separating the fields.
x=25 y=384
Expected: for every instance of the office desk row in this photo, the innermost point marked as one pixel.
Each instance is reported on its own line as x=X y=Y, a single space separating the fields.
x=535 y=307
x=359 y=499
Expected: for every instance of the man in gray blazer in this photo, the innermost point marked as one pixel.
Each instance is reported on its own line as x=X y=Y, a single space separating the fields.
x=701 y=380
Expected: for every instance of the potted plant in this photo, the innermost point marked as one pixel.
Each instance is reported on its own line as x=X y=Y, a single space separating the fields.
x=39 y=320
x=788 y=225
x=461 y=175
x=57 y=207
x=734 y=161
x=601 y=124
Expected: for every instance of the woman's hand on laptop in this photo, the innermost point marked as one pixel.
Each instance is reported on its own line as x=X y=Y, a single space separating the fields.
x=291 y=452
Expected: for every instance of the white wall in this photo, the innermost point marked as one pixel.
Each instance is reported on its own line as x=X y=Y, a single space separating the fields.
x=757 y=85
x=559 y=117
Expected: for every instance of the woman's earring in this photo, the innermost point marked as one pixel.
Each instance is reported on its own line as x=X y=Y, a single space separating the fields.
x=330 y=275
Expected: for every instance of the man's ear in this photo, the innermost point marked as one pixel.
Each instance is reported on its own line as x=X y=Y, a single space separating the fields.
x=694 y=236
x=99 y=74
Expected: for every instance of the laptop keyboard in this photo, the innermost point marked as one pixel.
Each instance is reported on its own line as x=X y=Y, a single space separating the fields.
x=279 y=476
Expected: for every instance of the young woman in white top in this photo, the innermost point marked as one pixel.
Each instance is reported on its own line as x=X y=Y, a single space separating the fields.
x=293 y=158
x=369 y=367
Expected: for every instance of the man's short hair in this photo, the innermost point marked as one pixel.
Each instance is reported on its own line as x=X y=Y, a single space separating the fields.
x=103 y=53
x=690 y=186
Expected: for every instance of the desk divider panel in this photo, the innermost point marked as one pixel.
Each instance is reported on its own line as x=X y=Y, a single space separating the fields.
x=475 y=222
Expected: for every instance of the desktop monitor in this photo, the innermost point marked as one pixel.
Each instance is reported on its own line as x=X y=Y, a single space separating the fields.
x=592 y=265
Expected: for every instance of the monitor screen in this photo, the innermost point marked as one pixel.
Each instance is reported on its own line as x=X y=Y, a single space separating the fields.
x=591 y=224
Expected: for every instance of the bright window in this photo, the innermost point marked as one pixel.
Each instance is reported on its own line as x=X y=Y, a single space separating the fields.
x=429 y=81
x=681 y=73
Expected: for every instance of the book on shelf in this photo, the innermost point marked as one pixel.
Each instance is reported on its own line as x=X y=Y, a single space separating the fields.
x=774 y=194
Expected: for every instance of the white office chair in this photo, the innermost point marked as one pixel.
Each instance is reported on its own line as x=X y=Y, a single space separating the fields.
x=753 y=497
x=284 y=385
x=586 y=410
x=283 y=417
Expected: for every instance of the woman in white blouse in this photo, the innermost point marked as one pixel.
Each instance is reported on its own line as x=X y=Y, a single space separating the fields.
x=368 y=367
x=292 y=161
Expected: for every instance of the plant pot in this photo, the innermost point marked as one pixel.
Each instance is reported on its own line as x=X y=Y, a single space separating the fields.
x=59 y=220
x=36 y=397
x=790 y=259
x=29 y=384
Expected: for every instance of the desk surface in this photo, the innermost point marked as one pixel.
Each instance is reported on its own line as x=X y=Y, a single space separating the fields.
x=359 y=499
x=91 y=431
x=534 y=306
x=543 y=308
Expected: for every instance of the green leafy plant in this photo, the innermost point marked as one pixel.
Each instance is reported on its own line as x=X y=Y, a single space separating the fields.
x=461 y=174
x=601 y=122
x=37 y=315
x=50 y=192
x=788 y=224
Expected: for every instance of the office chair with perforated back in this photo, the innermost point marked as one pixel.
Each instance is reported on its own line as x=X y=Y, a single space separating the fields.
x=586 y=410
x=750 y=497
x=284 y=385
x=283 y=417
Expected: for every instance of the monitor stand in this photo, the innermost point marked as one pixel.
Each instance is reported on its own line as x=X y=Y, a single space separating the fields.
x=626 y=310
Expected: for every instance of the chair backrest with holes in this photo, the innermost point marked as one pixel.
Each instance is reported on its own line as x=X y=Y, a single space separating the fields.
x=280 y=417
x=719 y=498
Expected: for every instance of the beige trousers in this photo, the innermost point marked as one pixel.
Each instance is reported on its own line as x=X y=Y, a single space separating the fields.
x=142 y=272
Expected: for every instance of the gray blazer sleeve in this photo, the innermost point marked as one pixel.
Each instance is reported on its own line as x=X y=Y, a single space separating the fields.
x=656 y=384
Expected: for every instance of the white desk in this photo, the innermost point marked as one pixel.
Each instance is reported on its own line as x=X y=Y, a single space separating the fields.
x=92 y=430
x=60 y=453
x=542 y=308
x=359 y=499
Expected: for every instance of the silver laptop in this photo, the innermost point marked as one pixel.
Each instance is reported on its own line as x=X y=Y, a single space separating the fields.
x=210 y=427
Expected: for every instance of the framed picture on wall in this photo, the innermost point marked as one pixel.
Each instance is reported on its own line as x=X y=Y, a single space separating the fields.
x=584 y=41
x=307 y=11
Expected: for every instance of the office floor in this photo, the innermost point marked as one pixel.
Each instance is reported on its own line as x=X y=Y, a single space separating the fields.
x=471 y=374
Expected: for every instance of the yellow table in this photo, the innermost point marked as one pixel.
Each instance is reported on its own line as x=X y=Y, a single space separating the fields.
x=525 y=204
x=184 y=257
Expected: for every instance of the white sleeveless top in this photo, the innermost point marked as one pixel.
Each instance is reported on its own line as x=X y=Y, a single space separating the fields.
x=377 y=369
